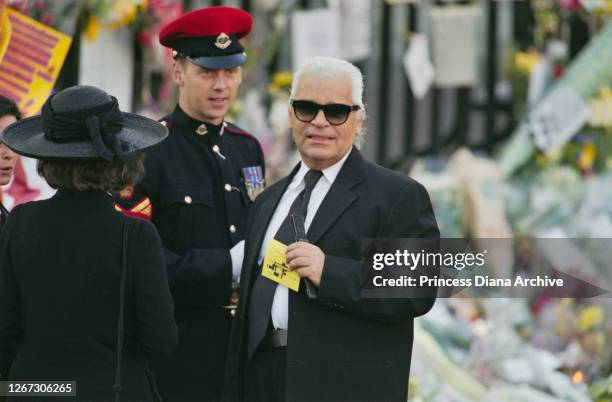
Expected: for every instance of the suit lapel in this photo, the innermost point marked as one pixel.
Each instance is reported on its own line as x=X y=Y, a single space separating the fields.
x=339 y=197
x=262 y=218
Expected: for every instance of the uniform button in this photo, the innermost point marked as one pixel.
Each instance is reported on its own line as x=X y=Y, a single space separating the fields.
x=187 y=199
x=228 y=188
x=232 y=229
x=217 y=150
x=202 y=129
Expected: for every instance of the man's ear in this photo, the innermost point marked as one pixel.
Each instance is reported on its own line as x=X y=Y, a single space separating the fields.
x=178 y=72
x=360 y=121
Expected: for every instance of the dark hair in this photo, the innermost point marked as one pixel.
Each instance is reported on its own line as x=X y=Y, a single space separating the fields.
x=8 y=107
x=91 y=174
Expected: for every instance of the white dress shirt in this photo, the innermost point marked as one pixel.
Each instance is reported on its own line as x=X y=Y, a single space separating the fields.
x=280 y=304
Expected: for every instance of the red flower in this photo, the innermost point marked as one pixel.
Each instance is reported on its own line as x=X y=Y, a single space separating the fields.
x=570 y=4
x=48 y=20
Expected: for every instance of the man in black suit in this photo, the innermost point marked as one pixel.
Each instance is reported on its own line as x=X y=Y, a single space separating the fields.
x=326 y=342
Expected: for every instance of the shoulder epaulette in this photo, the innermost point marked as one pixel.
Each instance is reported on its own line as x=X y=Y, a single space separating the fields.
x=234 y=129
x=143 y=209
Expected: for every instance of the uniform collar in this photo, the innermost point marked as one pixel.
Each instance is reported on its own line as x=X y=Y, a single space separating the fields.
x=187 y=124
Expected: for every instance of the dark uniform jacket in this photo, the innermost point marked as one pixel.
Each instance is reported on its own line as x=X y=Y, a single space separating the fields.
x=60 y=265
x=194 y=192
x=342 y=347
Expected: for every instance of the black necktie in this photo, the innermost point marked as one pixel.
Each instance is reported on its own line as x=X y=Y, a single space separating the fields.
x=263 y=290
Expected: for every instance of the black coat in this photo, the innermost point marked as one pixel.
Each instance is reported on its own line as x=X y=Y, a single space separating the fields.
x=60 y=263
x=184 y=193
x=3 y=215
x=342 y=347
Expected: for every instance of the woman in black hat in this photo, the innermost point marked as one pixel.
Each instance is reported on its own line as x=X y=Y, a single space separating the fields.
x=9 y=113
x=83 y=290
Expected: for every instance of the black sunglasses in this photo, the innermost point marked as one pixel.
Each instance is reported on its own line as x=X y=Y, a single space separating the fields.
x=335 y=113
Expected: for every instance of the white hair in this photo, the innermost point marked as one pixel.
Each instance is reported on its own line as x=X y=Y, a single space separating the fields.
x=331 y=67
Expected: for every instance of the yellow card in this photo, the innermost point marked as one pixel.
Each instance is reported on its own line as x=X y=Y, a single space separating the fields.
x=275 y=266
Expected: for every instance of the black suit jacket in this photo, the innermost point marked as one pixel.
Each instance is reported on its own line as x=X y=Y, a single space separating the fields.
x=340 y=346
x=60 y=265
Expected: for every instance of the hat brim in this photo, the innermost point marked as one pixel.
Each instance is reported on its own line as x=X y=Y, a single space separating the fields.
x=26 y=137
x=229 y=61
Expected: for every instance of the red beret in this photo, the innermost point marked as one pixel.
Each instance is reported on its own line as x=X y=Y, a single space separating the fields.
x=210 y=21
x=209 y=36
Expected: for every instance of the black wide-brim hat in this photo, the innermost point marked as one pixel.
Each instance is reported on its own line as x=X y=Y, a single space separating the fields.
x=82 y=122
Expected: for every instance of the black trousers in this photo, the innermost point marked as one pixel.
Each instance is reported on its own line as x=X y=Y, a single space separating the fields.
x=265 y=375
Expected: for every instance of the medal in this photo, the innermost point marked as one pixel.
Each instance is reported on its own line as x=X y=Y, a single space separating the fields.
x=253 y=181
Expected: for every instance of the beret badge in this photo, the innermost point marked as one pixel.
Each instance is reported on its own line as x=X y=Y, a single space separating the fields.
x=223 y=41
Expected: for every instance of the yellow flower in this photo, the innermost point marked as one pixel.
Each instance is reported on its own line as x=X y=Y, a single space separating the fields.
x=524 y=61
x=587 y=156
x=543 y=159
x=93 y=28
x=282 y=79
x=123 y=12
x=590 y=317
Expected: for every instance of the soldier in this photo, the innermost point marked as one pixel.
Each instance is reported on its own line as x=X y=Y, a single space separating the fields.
x=198 y=188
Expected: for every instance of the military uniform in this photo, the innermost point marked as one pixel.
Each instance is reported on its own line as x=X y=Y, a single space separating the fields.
x=197 y=191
